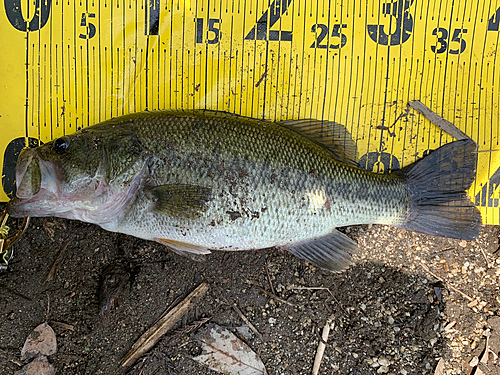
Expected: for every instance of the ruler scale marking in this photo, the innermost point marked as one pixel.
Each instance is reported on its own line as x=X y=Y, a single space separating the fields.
x=354 y=62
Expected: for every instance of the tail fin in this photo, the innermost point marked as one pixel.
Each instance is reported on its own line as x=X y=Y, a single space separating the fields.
x=437 y=184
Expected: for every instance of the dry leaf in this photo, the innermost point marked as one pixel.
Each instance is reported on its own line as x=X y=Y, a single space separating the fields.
x=39 y=366
x=484 y=357
x=225 y=353
x=41 y=341
x=440 y=367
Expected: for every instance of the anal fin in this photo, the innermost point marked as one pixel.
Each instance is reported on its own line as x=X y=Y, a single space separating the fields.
x=191 y=251
x=332 y=252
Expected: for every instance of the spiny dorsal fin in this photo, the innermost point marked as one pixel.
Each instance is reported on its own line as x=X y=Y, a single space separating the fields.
x=181 y=201
x=332 y=252
x=331 y=135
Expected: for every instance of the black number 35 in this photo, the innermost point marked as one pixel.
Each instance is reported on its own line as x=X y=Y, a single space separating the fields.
x=442 y=40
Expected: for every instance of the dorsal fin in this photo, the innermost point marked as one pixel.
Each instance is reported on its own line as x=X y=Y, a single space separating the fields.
x=331 y=135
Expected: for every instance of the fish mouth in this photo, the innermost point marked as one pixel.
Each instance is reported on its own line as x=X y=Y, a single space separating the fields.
x=35 y=182
x=28 y=175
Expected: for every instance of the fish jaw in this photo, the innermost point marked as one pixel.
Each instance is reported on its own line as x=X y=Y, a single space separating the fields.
x=37 y=189
x=40 y=193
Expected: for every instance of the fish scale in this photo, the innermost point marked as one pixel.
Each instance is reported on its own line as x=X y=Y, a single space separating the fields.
x=204 y=180
x=282 y=175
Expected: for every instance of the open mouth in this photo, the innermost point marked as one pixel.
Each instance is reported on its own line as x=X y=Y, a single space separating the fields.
x=34 y=175
x=28 y=175
x=36 y=186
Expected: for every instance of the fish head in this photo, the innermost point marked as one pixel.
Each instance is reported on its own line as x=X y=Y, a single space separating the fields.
x=89 y=175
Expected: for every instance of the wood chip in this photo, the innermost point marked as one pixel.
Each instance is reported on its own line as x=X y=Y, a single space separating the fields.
x=164 y=324
x=450 y=325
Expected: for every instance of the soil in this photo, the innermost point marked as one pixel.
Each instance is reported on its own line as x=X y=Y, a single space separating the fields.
x=389 y=311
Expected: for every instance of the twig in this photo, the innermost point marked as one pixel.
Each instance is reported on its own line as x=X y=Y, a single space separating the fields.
x=275 y=296
x=189 y=328
x=249 y=324
x=319 y=288
x=269 y=278
x=57 y=263
x=321 y=348
x=157 y=330
x=241 y=315
x=437 y=120
x=488 y=264
x=2 y=286
x=447 y=283
x=311 y=288
x=62 y=325
x=441 y=252
x=48 y=308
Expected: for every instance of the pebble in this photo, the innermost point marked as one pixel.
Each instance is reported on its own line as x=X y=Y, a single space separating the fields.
x=383 y=361
x=383 y=370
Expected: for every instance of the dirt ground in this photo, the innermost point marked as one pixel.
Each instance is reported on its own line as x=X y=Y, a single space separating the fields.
x=390 y=314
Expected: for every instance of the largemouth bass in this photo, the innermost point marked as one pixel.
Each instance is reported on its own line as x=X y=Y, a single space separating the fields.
x=202 y=180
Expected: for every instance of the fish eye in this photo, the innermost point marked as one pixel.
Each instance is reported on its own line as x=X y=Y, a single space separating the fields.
x=61 y=145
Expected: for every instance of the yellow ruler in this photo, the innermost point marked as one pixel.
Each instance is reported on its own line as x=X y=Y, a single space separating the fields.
x=68 y=64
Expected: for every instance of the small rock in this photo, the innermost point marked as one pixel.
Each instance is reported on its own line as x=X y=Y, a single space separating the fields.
x=383 y=370
x=384 y=361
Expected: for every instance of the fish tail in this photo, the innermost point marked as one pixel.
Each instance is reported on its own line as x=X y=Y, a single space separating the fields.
x=438 y=201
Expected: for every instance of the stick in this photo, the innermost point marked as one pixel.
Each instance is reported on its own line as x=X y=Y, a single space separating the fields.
x=437 y=120
x=447 y=284
x=62 y=325
x=250 y=325
x=274 y=296
x=2 y=286
x=269 y=279
x=321 y=348
x=488 y=264
x=318 y=288
x=157 y=330
x=57 y=263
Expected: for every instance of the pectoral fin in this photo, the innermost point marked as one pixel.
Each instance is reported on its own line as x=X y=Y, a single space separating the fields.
x=179 y=200
x=191 y=251
x=332 y=252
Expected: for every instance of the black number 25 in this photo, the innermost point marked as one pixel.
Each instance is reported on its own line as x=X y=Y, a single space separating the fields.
x=442 y=40
x=323 y=33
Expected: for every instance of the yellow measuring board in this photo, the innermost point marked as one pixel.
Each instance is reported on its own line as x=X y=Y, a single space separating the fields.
x=69 y=64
